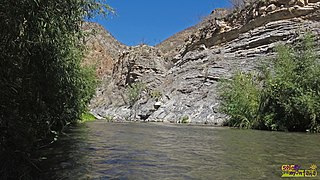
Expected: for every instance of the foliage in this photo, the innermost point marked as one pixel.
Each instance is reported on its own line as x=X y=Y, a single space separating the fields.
x=240 y=99
x=184 y=119
x=43 y=86
x=286 y=98
x=87 y=116
x=134 y=92
x=155 y=94
x=294 y=90
x=109 y=118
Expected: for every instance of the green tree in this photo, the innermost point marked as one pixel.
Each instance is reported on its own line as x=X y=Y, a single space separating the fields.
x=134 y=92
x=43 y=86
x=284 y=98
x=294 y=90
x=240 y=99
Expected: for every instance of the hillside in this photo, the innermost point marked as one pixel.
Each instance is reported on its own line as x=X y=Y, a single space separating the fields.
x=181 y=82
x=102 y=49
x=171 y=46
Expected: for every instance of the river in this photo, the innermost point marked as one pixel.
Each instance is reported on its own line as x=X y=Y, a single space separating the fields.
x=100 y=150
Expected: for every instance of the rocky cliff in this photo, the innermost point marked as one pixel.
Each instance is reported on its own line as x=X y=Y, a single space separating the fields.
x=180 y=75
x=102 y=49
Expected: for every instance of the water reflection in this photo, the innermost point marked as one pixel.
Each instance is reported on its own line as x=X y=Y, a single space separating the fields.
x=100 y=150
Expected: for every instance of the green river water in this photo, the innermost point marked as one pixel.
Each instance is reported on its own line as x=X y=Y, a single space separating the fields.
x=100 y=150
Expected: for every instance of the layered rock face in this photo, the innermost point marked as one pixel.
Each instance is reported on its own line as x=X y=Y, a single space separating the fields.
x=144 y=64
x=185 y=78
x=173 y=45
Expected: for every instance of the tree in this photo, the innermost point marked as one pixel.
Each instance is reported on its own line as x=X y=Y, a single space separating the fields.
x=284 y=98
x=43 y=86
x=294 y=90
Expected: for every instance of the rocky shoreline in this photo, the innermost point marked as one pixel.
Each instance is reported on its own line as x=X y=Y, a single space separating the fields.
x=118 y=121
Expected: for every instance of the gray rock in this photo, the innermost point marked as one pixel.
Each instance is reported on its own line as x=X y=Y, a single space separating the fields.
x=271 y=8
x=188 y=77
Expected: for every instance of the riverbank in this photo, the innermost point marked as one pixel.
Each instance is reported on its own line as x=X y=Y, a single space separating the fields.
x=168 y=123
x=179 y=122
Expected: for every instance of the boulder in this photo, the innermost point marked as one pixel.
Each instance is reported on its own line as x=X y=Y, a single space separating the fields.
x=301 y=3
x=271 y=7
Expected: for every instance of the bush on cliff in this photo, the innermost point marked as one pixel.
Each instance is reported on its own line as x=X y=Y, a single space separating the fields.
x=134 y=92
x=284 y=98
x=43 y=86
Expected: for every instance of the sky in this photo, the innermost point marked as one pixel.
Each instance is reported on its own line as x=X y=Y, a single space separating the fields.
x=152 y=21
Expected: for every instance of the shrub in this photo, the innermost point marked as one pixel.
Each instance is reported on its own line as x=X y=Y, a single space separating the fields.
x=184 y=119
x=240 y=99
x=109 y=118
x=285 y=98
x=87 y=116
x=155 y=94
x=293 y=91
x=134 y=92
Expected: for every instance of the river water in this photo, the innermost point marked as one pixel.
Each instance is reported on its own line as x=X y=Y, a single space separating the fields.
x=100 y=150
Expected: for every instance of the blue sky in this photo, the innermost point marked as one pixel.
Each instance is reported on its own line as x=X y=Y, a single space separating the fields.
x=152 y=21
